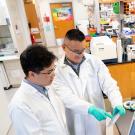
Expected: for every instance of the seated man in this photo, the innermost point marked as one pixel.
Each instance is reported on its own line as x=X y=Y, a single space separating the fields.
x=35 y=109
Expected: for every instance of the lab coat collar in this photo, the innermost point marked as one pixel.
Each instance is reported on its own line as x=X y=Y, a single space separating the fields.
x=61 y=61
x=30 y=89
x=66 y=67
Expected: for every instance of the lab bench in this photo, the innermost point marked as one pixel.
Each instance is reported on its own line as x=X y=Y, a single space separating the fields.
x=124 y=74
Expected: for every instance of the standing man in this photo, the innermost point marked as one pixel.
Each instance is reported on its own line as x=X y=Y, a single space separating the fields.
x=80 y=80
x=35 y=109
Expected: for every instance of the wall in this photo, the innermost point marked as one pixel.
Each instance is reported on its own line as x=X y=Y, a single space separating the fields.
x=4 y=12
x=19 y=28
x=44 y=8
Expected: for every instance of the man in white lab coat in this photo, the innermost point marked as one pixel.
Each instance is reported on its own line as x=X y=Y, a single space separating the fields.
x=80 y=80
x=36 y=109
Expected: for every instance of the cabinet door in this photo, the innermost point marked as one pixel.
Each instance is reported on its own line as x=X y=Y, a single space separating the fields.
x=133 y=81
x=4 y=118
x=122 y=74
x=14 y=72
x=4 y=77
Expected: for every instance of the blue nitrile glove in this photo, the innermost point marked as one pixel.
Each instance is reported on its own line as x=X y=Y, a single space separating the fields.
x=98 y=113
x=119 y=110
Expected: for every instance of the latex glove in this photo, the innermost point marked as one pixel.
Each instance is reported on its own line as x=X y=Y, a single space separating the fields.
x=119 y=109
x=98 y=113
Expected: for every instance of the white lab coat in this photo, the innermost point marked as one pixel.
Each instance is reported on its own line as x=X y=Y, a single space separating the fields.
x=33 y=114
x=78 y=93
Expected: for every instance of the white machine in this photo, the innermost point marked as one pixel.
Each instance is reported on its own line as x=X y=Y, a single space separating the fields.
x=131 y=51
x=104 y=48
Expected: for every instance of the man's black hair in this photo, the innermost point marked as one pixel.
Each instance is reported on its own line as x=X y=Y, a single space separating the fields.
x=36 y=58
x=75 y=34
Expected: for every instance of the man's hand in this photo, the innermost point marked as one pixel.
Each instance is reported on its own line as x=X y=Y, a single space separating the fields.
x=98 y=113
x=119 y=110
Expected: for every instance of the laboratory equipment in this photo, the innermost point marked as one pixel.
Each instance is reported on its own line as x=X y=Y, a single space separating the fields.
x=104 y=48
x=131 y=51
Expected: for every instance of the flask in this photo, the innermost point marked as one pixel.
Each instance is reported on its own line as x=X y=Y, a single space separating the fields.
x=129 y=54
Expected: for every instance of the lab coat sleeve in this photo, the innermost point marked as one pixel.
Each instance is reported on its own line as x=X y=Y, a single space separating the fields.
x=25 y=122
x=70 y=100
x=109 y=85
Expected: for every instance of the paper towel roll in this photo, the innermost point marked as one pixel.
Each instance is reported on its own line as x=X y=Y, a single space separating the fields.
x=119 y=50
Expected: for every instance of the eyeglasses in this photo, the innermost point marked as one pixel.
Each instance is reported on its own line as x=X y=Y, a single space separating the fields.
x=76 y=51
x=49 y=71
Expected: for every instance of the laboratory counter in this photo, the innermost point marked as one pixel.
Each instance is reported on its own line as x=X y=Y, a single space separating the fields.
x=108 y=63
x=9 y=57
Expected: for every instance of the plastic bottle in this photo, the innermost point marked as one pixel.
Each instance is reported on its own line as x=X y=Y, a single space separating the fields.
x=129 y=54
x=119 y=50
